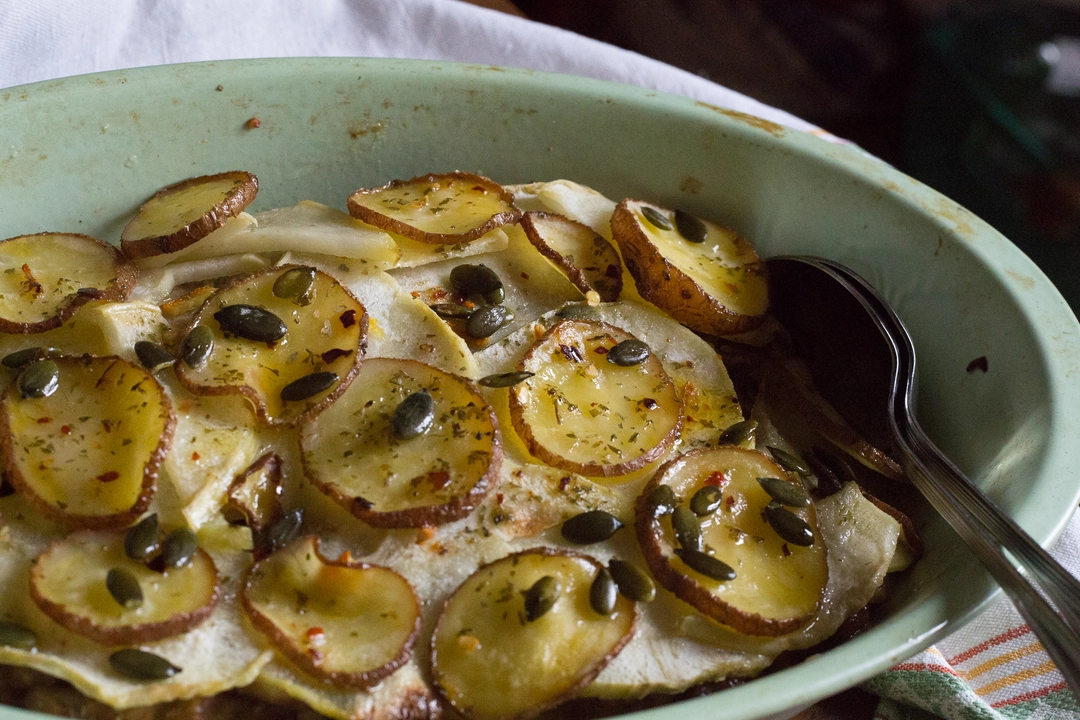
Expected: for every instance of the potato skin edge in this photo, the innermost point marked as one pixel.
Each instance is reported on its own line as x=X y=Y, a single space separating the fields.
x=573 y=273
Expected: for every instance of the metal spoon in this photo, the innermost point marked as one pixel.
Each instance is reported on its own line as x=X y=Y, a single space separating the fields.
x=836 y=318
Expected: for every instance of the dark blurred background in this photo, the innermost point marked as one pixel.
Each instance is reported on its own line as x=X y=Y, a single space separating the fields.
x=978 y=99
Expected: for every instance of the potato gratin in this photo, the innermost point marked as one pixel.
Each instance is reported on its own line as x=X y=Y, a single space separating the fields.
x=467 y=449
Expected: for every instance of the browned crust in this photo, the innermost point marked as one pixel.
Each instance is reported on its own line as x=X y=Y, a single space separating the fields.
x=573 y=273
x=685 y=587
x=92 y=522
x=524 y=430
x=425 y=515
x=127 y=275
x=911 y=536
x=358 y=680
x=255 y=520
x=587 y=677
x=125 y=634
x=384 y=222
x=663 y=284
x=234 y=202
x=249 y=392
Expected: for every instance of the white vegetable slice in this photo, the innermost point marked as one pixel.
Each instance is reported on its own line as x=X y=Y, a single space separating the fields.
x=351 y=453
x=46 y=278
x=566 y=197
x=346 y=622
x=587 y=259
x=88 y=454
x=68 y=583
x=489 y=661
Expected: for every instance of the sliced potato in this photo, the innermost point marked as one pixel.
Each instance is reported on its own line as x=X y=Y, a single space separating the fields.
x=778 y=585
x=351 y=451
x=716 y=286
x=254 y=498
x=439 y=209
x=325 y=335
x=232 y=239
x=587 y=259
x=489 y=660
x=581 y=412
x=46 y=278
x=414 y=253
x=566 y=197
x=346 y=622
x=68 y=583
x=88 y=454
x=185 y=212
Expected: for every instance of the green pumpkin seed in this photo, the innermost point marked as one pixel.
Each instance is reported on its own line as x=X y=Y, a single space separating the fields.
x=541 y=597
x=578 y=311
x=21 y=358
x=153 y=356
x=690 y=227
x=590 y=527
x=505 y=379
x=281 y=533
x=628 y=352
x=16 y=636
x=295 y=284
x=603 y=593
x=452 y=310
x=656 y=218
x=251 y=323
x=632 y=581
x=738 y=433
x=706 y=564
x=179 y=548
x=39 y=379
x=124 y=588
x=197 y=347
x=788 y=461
x=687 y=528
x=830 y=471
x=475 y=280
x=662 y=499
x=788 y=525
x=308 y=386
x=495 y=297
x=141 y=665
x=142 y=539
x=706 y=500
x=487 y=321
x=784 y=492
x=414 y=415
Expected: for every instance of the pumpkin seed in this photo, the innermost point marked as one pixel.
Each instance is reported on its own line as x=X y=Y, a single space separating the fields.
x=295 y=284
x=687 y=528
x=738 y=433
x=16 y=636
x=142 y=539
x=628 y=352
x=690 y=227
x=124 y=588
x=706 y=500
x=578 y=311
x=662 y=499
x=656 y=218
x=153 y=356
x=788 y=461
x=251 y=323
x=21 y=358
x=505 y=379
x=632 y=581
x=590 y=527
x=784 y=492
x=39 y=379
x=141 y=665
x=281 y=533
x=179 y=547
x=475 y=280
x=452 y=310
x=495 y=297
x=830 y=471
x=706 y=564
x=308 y=386
x=197 y=346
x=603 y=593
x=541 y=597
x=788 y=525
x=414 y=415
x=487 y=321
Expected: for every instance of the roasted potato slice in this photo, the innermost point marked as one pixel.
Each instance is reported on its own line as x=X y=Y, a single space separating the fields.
x=713 y=283
x=356 y=453
x=45 y=278
x=438 y=209
x=346 y=622
x=775 y=585
x=520 y=635
x=581 y=411
x=70 y=582
x=185 y=212
x=254 y=498
x=587 y=259
x=88 y=453
x=290 y=354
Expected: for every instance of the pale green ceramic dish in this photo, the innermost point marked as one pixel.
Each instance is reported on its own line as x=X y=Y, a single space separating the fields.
x=81 y=154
